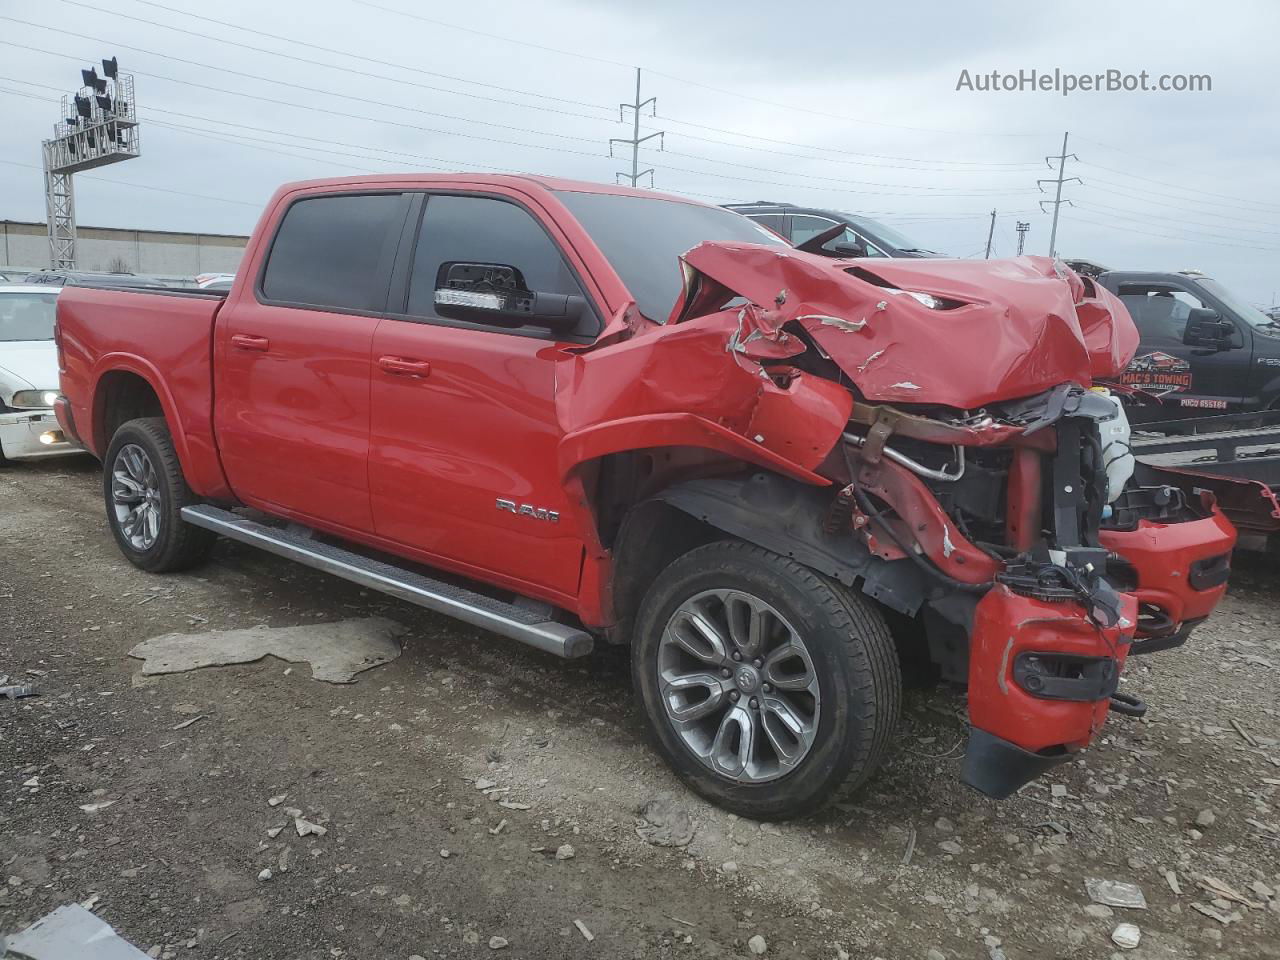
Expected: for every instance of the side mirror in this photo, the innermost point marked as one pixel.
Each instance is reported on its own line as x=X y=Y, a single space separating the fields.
x=1206 y=328
x=497 y=292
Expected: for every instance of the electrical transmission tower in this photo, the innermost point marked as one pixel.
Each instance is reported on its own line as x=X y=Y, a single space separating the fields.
x=99 y=125
x=1022 y=228
x=635 y=141
x=1057 y=197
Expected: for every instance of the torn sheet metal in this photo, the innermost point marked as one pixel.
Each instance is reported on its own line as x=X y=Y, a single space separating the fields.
x=70 y=931
x=967 y=333
x=336 y=651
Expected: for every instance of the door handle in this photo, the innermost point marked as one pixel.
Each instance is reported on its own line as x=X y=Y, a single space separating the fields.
x=247 y=341
x=399 y=366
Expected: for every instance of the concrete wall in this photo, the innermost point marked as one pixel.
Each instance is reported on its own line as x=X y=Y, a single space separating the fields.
x=154 y=252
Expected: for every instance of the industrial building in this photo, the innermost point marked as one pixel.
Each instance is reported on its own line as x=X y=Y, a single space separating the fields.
x=158 y=253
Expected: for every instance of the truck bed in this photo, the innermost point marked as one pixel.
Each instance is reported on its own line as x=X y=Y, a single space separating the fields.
x=164 y=337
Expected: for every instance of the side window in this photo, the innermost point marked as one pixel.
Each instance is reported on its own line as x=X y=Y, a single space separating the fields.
x=774 y=221
x=1160 y=312
x=486 y=231
x=804 y=226
x=333 y=251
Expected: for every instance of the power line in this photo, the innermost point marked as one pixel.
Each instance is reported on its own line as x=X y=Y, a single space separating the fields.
x=356 y=56
x=284 y=83
x=1183 y=220
x=1224 y=196
x=331 y=66
x=330 y=112
x=494 y=36
x=143 y=186
x=1165 y=236
x=791 y=108
x=998 y=191
x=810 y=146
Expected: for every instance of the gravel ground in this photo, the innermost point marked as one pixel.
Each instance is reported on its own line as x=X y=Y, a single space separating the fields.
x=473 y=789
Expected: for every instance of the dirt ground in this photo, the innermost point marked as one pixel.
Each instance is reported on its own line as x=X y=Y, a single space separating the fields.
x=448 y=779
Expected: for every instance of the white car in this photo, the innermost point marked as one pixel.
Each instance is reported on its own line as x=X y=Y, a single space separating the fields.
x=29 y=374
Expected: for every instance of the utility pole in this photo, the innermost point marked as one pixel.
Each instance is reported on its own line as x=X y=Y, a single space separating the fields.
x=990 y=233
x=1057 y=197
x=1022 y=228
x=635 y=141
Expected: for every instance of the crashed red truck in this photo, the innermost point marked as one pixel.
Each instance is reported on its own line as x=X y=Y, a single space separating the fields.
x=775 y=474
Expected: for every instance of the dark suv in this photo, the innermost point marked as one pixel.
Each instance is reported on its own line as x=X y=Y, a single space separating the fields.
x=863 y=237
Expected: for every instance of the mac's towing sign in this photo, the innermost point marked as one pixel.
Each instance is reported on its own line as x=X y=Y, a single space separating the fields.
x=1158 y=373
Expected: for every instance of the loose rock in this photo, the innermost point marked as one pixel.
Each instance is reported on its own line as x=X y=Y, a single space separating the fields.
x=498 y=943
x=758 y=945
x=565 y=852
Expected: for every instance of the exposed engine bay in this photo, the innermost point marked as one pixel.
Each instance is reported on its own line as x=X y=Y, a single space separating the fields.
x=950 y=409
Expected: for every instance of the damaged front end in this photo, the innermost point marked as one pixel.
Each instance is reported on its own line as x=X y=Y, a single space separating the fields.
x=978 y=459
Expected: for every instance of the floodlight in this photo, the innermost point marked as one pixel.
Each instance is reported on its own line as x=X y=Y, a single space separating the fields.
x=90 y=77
x=104 y=102
x=110 y=68
x=84 y=107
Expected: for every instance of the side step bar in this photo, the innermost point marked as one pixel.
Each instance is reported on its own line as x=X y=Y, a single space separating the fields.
x=509 y=620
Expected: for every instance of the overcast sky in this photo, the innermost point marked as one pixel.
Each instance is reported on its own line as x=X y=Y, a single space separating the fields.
x=852 y=106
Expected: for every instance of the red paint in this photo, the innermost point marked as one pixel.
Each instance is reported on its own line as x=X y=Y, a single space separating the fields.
x=1024 y=499
x=1162 y=555
x=1016 y=332
x=406 y=436
x=1006 y=625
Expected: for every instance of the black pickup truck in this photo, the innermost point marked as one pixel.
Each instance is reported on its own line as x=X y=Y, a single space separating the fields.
x=1202 y=347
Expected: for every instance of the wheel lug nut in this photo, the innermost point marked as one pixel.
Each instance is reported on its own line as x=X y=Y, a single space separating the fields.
x=726 y=672
x=755 y=704
x=734 y=695
x=757 y=663
x=767 y=688
x=737 y=655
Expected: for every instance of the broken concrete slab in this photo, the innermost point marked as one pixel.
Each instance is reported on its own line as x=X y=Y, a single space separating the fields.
x=336 y=651
x=70 y=931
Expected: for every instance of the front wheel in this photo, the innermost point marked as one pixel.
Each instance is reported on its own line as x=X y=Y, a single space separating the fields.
x=769 y=687
x=145 y=492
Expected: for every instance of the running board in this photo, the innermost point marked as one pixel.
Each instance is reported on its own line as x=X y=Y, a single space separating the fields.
x=509 y=620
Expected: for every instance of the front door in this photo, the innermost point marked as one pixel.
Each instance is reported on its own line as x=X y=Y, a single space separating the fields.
x=464 y=430
x=291 y=405
x=1188 y=379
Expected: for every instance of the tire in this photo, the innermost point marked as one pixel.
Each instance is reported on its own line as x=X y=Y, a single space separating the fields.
x=846 y=688
x=145 y=492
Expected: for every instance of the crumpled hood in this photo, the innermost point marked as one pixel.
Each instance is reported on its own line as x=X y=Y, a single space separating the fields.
x=1007 y=329
x=28 y=365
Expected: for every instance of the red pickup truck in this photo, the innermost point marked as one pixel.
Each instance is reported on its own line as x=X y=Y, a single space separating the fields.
x=569 y=412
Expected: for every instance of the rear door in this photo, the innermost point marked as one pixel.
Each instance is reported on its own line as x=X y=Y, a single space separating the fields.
x=1186 y=378
x=291 y=408
x=463 y=457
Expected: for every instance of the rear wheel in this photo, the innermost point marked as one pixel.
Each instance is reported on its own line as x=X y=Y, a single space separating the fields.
x=145 y=492
x=769 y=688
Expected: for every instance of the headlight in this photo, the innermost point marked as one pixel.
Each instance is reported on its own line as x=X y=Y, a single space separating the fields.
x=34 y=399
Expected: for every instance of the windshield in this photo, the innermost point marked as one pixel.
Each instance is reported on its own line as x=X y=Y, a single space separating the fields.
x=880 y=231
x=1246 y=312
x=644 y=237
x=26 y=316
